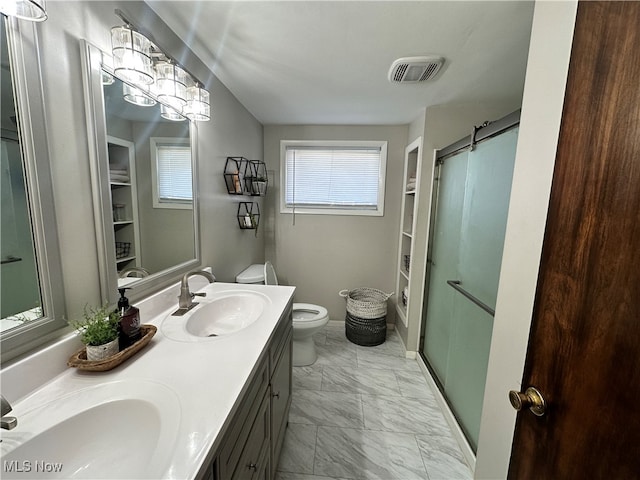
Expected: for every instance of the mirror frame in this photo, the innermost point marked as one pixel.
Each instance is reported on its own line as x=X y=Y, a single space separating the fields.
x=24 y=57
x=92 y=66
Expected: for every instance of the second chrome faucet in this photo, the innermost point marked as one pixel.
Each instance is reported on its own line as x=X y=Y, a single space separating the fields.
x=8 y=423
x=185 y=300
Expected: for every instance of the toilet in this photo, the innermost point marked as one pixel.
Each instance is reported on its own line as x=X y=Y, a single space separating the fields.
x=307 y=318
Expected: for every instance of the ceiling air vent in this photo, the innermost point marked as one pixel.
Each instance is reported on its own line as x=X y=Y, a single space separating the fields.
x=414 y=69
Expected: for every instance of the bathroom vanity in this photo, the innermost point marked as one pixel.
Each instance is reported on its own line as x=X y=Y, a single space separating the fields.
x=189 y=405
x=251 y=446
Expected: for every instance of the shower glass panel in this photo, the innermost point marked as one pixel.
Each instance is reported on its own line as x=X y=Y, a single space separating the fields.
x=472 y=200
x=444 y=261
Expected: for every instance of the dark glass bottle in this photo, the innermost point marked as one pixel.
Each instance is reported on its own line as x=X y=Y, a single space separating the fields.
x=129 y=321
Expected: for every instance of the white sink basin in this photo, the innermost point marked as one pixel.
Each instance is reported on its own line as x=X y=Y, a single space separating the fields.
x=121 y=429
x=220 y=315
x=225 y=315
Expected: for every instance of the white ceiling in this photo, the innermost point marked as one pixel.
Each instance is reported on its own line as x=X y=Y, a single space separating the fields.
x=326 y=62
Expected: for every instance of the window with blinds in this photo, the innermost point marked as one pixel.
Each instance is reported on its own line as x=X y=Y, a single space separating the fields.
x=172 y=179
x=342 y=178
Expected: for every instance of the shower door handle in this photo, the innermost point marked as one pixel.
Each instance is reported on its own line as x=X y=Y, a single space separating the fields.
x=456 y=285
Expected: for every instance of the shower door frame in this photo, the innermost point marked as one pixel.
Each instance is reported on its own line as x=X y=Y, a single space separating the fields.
x=478 y=135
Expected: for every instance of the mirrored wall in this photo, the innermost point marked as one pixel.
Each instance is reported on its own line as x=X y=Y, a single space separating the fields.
x=31 y=277
x=150 y=177
x=20 y=293
x=143 y=172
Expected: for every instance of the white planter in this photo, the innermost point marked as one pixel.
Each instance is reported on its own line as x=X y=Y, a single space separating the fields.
x=100 y=352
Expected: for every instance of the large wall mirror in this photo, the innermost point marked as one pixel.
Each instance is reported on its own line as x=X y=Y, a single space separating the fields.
x=143 y=161
x=32 y=297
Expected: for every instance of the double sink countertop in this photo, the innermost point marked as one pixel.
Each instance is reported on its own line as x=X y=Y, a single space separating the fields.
x=158 y=415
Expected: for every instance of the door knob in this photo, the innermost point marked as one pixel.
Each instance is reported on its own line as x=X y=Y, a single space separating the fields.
x=531 y=399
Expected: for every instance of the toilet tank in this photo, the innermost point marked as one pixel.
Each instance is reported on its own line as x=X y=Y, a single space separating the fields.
x=252 y=274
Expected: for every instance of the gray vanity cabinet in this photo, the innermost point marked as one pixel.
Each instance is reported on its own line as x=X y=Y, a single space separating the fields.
x=255 y=457
x=252 y=443
x=245 y=426
x=280 y=399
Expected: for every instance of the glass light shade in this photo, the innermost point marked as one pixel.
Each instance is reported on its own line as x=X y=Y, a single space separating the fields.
x=137 y=96
x=171 y=85
x=131 y=56
x=33 y=10
x=197 y=107
x=171 y=114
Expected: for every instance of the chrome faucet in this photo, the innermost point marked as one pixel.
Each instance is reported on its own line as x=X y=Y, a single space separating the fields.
x=8 y=423
x=185 y=300
x=134 y=272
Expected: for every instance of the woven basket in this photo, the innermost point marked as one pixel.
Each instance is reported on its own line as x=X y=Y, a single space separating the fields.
x=367 y=332
x=366 y=320
x=366 y=302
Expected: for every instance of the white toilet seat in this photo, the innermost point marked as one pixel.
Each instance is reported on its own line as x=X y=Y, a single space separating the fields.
x=308 y=315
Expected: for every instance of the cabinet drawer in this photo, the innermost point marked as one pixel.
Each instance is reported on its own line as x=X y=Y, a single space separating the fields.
x=240 y=428
x=264 y=466
x=253 y=457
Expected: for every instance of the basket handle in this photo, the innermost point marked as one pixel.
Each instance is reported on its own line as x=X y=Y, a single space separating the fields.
x=343 y=293
x=389 y=295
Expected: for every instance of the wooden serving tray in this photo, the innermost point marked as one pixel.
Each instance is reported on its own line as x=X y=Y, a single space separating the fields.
x=79 y=359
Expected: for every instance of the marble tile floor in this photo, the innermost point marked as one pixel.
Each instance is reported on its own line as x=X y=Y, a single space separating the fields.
x=366 y=413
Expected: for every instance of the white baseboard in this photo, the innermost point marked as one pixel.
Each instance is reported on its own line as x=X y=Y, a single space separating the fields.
x=469 y=456
x=409 y=354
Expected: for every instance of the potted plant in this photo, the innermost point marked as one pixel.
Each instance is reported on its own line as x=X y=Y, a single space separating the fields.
x=99 y=332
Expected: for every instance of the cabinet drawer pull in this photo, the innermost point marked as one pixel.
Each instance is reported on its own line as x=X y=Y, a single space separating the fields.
x=276 y=395
x=252 y=466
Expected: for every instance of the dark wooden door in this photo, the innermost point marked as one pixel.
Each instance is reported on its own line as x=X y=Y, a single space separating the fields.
x=584 y=345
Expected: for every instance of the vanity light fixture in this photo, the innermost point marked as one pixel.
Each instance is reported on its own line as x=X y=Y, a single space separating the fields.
x=171 y=114
x=197 y=107
x=171 y=85
x=137 y=96
x=138 y=61
x=32 y=10
x=131 y=56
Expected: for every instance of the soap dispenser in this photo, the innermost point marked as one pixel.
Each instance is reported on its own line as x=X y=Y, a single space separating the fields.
x=129 y=321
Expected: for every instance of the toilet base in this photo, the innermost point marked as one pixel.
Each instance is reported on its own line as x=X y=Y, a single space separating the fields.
x=304 y=352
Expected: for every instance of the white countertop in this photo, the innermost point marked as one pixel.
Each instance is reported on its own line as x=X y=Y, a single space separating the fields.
x=206 y=376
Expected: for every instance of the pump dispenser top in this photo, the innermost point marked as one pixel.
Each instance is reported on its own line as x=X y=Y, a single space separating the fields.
x=129 y=321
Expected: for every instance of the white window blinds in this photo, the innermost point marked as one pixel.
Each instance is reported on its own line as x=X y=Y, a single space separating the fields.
x=333 y=177
x=174 y=173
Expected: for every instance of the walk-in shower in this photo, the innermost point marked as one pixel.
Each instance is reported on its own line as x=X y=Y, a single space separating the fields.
x=472 y=185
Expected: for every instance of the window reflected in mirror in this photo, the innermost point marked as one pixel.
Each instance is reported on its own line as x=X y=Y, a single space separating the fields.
x=150 y=176
x=20 y=288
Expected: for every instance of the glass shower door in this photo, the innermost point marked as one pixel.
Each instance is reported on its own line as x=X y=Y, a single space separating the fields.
x=444 y=262
x=466 y=254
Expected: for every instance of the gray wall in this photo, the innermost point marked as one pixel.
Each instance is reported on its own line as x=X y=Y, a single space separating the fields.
x=232 y=131
x=322 y=254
